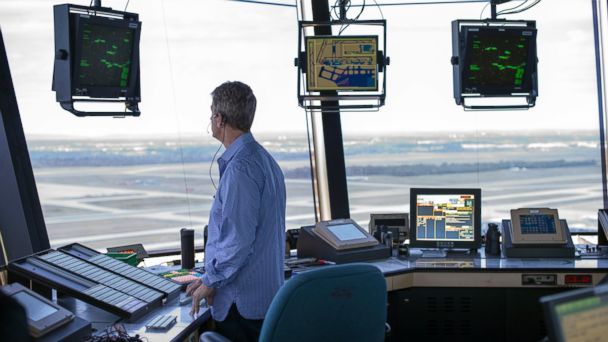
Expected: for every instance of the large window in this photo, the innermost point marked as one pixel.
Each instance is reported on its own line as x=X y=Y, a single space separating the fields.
x=107 y=182
x=548 y=156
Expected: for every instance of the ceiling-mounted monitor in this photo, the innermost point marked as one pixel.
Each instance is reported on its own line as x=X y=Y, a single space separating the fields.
x=96 y=58
x=342 y=72
x=494 y=59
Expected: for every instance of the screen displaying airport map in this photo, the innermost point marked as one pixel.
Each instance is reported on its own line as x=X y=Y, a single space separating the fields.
x=105 y=55
x=445 y=217
x=342 y=63
x=497 y=60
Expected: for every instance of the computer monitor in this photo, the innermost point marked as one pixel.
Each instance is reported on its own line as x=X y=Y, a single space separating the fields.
x=96 y=58
x=445 y=218
x=537 y=226
x=497 y=61
x=343 y=234
x=43 y=316
x=342 y=63
x=104 y=56
x=578 y=315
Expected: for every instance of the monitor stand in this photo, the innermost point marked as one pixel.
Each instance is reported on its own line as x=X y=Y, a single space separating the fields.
x=434 y=253
x=448 y=252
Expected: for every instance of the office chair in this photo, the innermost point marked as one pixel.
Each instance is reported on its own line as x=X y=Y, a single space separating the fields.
x=333 y=303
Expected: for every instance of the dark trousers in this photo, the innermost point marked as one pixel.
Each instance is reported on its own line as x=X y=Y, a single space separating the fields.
x=239 y=329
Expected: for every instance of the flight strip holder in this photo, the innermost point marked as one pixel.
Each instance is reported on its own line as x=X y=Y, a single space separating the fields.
x=72 y=25
x=337 y=100
x=468 y=39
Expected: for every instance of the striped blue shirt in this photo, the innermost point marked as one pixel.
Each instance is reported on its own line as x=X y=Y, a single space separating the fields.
x=246 y=238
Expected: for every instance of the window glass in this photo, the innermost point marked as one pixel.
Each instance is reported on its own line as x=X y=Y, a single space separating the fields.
x=105 y=182
x=548 y=156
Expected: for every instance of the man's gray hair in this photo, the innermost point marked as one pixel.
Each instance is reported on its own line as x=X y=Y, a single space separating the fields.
x=236 y=103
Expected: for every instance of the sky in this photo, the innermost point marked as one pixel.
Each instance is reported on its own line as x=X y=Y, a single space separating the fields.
x=190 y=46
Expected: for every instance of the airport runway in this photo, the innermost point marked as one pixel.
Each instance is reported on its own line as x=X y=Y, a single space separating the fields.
x=109 y=206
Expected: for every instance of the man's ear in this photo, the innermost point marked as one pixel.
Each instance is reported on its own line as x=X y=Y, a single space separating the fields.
x=219 y=123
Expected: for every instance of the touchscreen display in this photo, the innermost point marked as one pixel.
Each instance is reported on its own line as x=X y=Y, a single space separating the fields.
x=346 y=232
x=537 y=224
x=35 y=308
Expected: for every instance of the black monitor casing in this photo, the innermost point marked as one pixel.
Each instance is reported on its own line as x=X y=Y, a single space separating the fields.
x=68 y=21
x=461 y=63
x=475 y=244
x=550 y=303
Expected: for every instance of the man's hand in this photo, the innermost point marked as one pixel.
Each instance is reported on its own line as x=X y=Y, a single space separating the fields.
x=201 y=292
x=193 y=286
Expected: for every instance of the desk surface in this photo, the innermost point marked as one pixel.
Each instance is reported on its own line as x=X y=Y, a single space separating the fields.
x=400 y=272
x=396 y=265
x=101 y=320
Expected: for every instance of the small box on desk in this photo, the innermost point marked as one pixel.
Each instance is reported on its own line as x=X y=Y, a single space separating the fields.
x=311 y=245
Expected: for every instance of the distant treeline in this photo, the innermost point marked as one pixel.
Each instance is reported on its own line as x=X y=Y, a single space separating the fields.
x=93 y=158
x=444 y=168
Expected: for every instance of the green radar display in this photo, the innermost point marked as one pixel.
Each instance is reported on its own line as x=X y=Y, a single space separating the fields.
x=498 y=60
x=105 y=56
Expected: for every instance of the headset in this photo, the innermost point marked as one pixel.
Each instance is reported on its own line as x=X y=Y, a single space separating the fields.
x=223 y=124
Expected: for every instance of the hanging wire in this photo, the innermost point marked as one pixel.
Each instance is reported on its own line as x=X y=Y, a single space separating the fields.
x=174 y=97
x=512 y=8
x=483 y=10
x=523 y=9
x=356 y=18
x=211 y=166
x=379 y=9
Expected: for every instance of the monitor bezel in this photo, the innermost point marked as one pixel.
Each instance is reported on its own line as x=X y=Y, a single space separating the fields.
x=494 y=90
x=519 y=238
x=550 y=303
x=46 y=324
x=104 y=91
x=350 y=89
x=322 y=230
x=475 y=244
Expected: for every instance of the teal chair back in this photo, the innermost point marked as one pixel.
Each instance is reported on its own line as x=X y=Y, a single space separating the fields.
x=333 y=303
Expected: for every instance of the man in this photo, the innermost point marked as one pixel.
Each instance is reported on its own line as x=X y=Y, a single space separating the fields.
x=246 y=238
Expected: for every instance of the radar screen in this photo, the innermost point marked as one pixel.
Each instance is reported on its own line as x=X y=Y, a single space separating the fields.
x=445 y=217
x=104 y=56
x=497 y=60
x=342 y=63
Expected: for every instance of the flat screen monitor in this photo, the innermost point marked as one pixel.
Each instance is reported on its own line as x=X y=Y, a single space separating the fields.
x=43 y=316
x=344 y=234
x=578 y=315
x=342 y=63
x=498 y=61
x=537 y=226
x=445 y=218
x=106 y=57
